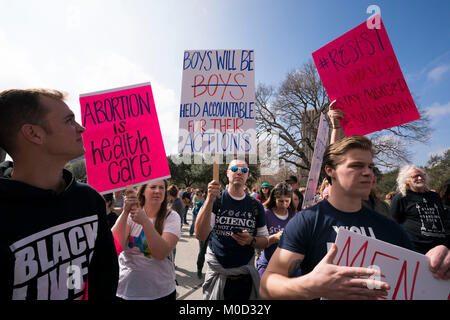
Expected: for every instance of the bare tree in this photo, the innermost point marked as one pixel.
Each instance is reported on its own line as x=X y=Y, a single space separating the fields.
x=292 y=114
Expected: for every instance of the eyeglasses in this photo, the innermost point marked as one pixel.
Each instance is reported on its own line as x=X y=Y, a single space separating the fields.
x=417 y=176
x=235 y=169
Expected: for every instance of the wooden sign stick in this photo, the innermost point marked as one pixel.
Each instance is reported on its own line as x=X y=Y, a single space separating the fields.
x=216 y=167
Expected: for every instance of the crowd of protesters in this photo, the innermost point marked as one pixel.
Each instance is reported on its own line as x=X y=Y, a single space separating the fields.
x=136 y=230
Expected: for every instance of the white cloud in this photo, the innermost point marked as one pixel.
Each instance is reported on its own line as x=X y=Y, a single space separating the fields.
x=111 y=70
x=438 y=72
x=104 y=70
x=437 y=110
x=438 y=152
x=16 y=65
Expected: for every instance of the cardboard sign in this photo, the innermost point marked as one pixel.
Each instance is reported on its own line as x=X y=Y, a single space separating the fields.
x=361 y=71
x=217 y=110
x=123 y=141
x=406 y=271
x=316 y=164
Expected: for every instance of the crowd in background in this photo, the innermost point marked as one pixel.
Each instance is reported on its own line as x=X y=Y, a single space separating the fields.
x=281 y=202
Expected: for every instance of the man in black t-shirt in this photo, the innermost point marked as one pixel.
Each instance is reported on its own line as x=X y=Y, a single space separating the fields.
x=56 y=242
x=307 y=237
x=419 y=210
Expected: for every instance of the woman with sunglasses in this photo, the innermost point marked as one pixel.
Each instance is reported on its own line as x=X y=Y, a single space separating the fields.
x=264 y=192
x=148 y=232
x=279 y=210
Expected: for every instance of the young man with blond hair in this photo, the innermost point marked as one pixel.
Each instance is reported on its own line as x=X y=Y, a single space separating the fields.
x=308 y=240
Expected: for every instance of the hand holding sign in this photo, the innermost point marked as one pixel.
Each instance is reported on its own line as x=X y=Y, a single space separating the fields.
x=336 y=282
x=408 y=273
x=130 y=201
x=439 y=262
x=213 y=190
x=335 y=115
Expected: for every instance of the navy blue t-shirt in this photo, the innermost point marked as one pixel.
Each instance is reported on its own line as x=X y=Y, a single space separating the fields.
x=312 y=231
x=234 y=213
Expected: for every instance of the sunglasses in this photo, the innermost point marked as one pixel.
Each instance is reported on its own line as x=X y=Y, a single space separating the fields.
x=235 y=169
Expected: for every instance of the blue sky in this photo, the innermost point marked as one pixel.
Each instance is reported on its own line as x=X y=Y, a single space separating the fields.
x=82 y=46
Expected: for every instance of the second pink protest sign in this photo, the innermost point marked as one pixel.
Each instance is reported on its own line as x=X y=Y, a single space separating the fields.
x=360 y=70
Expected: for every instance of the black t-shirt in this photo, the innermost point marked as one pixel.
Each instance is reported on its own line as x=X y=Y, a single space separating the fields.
x=423 y=218
x=111 y=219
x=312 y=231
x=52 y=243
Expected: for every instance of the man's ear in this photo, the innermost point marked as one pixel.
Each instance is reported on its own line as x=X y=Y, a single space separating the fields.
x=33 y=133
x=330 y=171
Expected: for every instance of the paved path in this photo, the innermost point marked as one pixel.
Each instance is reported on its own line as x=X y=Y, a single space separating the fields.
x=189 y=285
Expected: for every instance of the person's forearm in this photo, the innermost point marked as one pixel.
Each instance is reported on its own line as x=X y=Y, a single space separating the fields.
x=273 y=239
x=278 y=287
x=203 y=221
x=119 y=230
x=336 y=134
x=262 y=242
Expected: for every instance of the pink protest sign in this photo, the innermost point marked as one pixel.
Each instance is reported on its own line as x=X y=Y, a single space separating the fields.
x=361 y=71
x=123 y=141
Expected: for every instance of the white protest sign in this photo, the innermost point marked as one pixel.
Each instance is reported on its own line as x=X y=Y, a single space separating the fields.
x=217 y=110
x=406 y=271
x=316 y=164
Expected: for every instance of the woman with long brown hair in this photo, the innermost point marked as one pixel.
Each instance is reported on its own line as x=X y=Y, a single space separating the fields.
x=279 y=210
x=147 y=232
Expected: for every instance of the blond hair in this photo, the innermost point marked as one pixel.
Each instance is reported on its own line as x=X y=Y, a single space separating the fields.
x=324 y=184
x=335 y=153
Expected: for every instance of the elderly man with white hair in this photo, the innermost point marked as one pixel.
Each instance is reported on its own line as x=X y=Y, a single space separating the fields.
x=419 y=210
